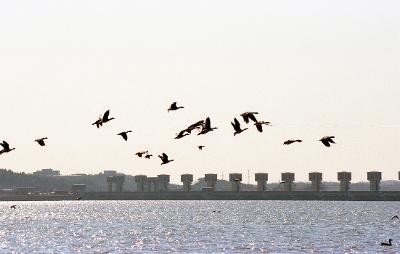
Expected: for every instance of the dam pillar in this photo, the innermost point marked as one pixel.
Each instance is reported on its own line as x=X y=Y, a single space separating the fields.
x=235 y=179
x=119 y=181
x=316 y=179
x=261 y=179
x=287 y=181
x=344 y=178
x=163 y=182
x=211 y=180
x=152 y=184
x=140 y=182
x=374 y=178
x=187 y=180
x=109 y=184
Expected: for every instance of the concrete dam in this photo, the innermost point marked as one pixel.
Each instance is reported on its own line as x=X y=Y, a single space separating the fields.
x=156 y=188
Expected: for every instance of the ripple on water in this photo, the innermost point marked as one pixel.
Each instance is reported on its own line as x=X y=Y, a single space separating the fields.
x=193 y=226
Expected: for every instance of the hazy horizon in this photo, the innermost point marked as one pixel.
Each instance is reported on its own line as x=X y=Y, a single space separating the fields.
x=312 y=68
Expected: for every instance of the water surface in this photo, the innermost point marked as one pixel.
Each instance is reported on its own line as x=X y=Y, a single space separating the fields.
x=198 y=227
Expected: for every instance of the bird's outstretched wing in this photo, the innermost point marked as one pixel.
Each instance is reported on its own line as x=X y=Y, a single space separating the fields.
x=207 y=123
x=5 y=145
x=259 y=127
x=106 y=114
x=245 y=118
x=326 y=142
x=252 y=117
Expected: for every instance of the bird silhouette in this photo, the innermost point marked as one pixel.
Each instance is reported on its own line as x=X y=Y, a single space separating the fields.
x=197 y=125
x=124 y=134
x=148 y=156
x=387 y=244
x=13 y=207
x=249 y=115
x=291 y=141
x=259 y=125
x=327 y=140
x=206 y=127
x=200 y=147
x=6 y=147
x=40 y=141
x=99 y=122
x=140 y=154
x=395 y=217
x=182 y=134
x=164 y=159
x=106 y=117
x=173 y=107
x=236 y=126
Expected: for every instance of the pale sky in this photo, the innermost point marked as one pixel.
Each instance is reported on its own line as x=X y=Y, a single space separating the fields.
x=312 y=68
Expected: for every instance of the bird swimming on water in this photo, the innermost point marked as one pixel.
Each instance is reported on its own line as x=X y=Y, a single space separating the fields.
x=164 y=159
x=327 y=140
x=124 y=134
x=387 y=244
x=174 y=107
x=236 y=127
x=40 y=141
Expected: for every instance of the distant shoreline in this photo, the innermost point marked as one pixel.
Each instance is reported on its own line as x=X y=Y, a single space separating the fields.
x=216 y=195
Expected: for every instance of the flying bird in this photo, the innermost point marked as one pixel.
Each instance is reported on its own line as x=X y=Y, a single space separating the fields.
x=236 y=126
x=249 y=115
x=174 y=107
x=395 y=217
x=197 y=125
x=200 y=147
x=164 y=159
x=13 y=207
x=99 y=122
x=260 y=124
x=40 y=141
x=6 y=147
x=291 y=141
x=140 y=154
x=106 y=117
x=387 y=244
x=148 y=156
x=124 y=134
x=206 y=127
x=181 y=134
x=327 y=140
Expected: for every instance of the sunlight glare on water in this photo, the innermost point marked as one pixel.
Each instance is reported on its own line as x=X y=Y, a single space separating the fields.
x=198 y=227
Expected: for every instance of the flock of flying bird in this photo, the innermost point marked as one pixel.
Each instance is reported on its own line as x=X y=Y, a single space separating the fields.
x=202 y=126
